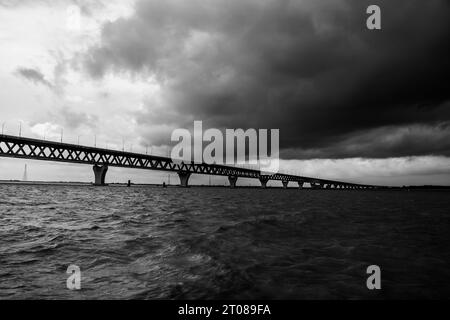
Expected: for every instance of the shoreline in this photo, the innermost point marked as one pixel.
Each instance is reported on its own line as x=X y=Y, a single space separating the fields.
x=124 y=184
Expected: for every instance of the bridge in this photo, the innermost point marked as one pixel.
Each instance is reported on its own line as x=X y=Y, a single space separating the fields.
x=101 y=159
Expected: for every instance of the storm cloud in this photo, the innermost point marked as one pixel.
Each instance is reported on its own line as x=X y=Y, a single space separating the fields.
x=310 y=68
x=73 y=119
x=34 y=76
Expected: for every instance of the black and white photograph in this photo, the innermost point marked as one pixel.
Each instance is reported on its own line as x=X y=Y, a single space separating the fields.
x=249 y=151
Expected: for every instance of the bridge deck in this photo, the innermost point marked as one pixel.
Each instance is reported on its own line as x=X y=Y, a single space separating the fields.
x=27 y=148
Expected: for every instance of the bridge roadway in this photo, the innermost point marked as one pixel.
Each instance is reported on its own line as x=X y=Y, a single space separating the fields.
x=101 y=159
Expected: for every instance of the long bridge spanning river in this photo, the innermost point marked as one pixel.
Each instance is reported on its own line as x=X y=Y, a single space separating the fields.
x=101 y=159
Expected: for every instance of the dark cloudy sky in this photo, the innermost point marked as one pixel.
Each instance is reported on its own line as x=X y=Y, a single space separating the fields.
x=370 y=106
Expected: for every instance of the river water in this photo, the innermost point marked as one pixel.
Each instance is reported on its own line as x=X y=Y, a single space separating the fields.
x=174 y=243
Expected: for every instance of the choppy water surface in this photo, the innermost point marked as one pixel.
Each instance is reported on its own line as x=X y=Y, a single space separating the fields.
x=148 y=242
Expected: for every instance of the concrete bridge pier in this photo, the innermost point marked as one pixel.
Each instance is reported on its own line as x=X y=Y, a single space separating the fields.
x=100 y=174
x=232 y=180
x=317 y=185
x=285 y=184
x=184 y=178
x=300 y=184
x=263 y=181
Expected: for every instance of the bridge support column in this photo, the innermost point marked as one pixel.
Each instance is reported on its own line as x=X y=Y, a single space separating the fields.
x=285 y=183
x=263 y=181
x=317 y=185
x=300 y=184
x=100 y=174
x=184 y=178
x=232 y=180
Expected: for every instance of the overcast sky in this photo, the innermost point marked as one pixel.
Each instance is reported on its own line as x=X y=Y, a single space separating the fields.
x=352 y=104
